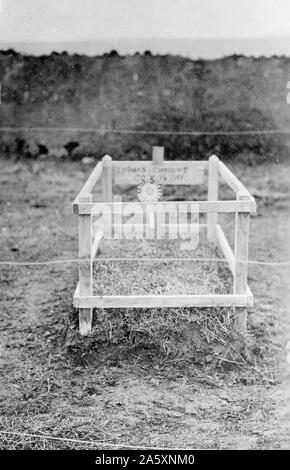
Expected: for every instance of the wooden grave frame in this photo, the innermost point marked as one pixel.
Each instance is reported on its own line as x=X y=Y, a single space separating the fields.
x=90 y=236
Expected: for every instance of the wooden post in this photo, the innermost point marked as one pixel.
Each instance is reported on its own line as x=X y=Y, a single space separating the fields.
x=157 y=159
x=158 y=155
x=242 y=228
x=107 y=179
x=213 y=185
x=85 y=267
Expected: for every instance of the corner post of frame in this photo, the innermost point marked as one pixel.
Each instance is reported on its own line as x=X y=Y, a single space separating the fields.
x=213 y=187
x=107 y=179
x=242 y=227
x=85 y=266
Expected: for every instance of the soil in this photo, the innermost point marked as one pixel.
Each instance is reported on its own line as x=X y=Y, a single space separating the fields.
x=179 y=387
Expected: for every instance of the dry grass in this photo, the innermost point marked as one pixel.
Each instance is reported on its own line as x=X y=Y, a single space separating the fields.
x=152 y=276
x=169 y=331
x=200 y=335
x=171 y=336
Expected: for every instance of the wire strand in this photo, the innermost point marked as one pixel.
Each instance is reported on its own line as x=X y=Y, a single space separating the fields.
x=145 y=132
x=80 y=441
x=163 y=260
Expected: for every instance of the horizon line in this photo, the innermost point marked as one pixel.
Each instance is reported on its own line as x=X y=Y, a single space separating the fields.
x=194 y=38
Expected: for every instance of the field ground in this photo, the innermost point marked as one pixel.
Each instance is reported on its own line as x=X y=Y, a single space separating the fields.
x=165 y=378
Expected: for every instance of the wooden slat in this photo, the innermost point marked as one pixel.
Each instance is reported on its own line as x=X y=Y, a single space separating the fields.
x=85 y=271
x=158 y=155
x=242 y=227
x=203 y=206
x=104 y=224
x=177 y=173
x=90 y=183
x=98 y=224
x=250 y=297
x=140 y=231
x=98 y=237
x=160 y=301
x=170 y=164
x=225 y=247
x=107 y=178
x=213 y=186
x=77 y=291
x=168 y=226
x=234 y=183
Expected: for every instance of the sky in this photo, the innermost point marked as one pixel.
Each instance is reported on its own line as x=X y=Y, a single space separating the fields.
x=73 y=20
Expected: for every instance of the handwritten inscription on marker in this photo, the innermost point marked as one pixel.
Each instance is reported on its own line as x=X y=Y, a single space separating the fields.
x=177 y=174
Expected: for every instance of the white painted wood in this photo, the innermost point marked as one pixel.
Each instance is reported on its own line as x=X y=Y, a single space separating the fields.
x=99 y=224
x=196 y=300
x=204 y=206
x=243 y=206
x=242 y=228
x=225 y=247
x=84 y=198
x=169 y=163
x=107 y=179
x=173 y=227
x=158 y=155
x=250 y=296
x=90 y=183
x=162 y=301
x=233 y=181
x=97 y=240
x=85 y=271
x=76 y=292
x=212 y=196
x=179 y=173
